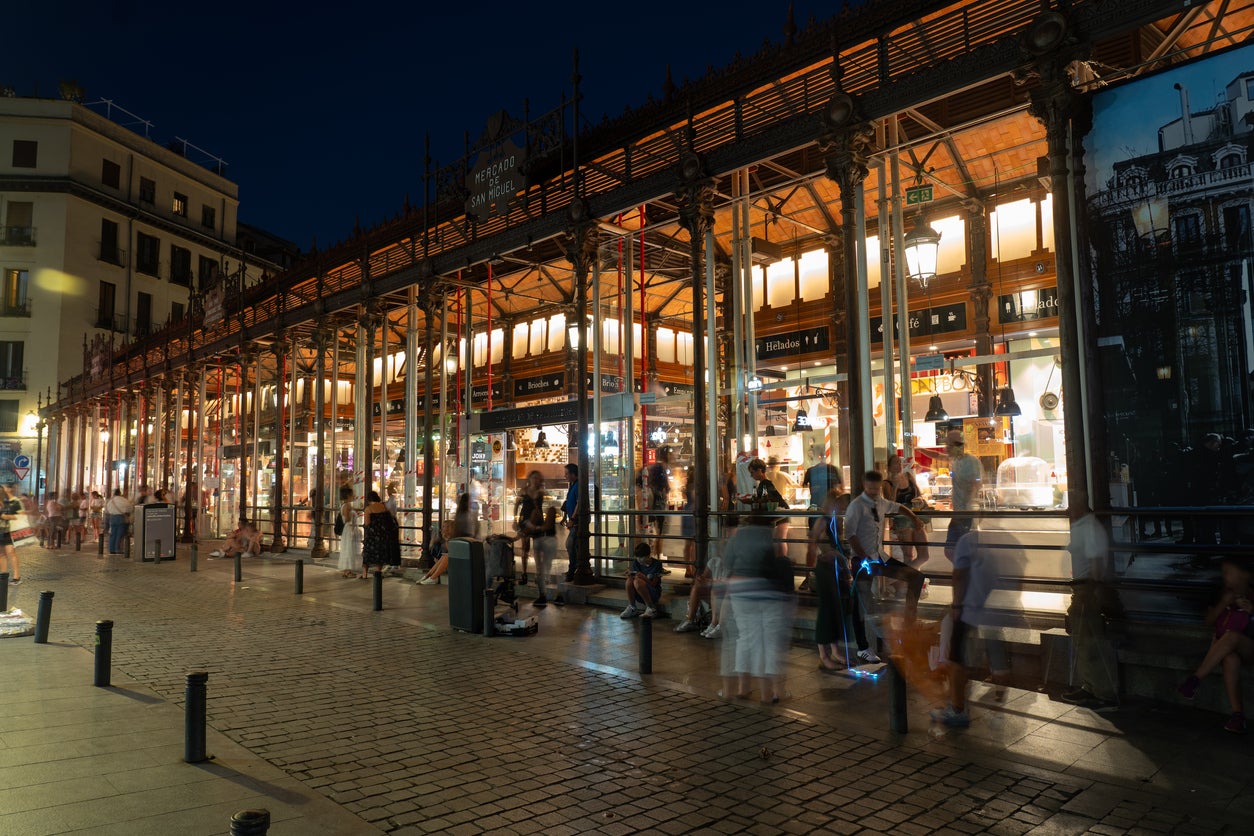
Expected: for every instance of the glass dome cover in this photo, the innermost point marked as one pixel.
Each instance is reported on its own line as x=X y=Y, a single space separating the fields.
x=1024 y=482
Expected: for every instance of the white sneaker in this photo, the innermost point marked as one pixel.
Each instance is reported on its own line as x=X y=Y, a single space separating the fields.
x=217 y=553
x=713 y=632
x=649 y=612
x=246 y=554
x=868 y=656
x=429 y=581
x=685 y=626
x=630 y=612
x=923 y=595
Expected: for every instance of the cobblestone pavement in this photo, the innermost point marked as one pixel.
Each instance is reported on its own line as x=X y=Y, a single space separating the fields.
x=415 y=728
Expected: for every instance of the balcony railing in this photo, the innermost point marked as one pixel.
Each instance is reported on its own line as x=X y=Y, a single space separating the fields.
x=181 y=277
x=111 y=254
x=111 y=322
x=12 y=380
x=19 y=308
x=17 y=236
x=143 y=329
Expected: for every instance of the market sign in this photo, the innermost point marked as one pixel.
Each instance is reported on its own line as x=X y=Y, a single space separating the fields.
x=609 y=382
x=543 y=384
x=540 y=415
x=943 y=319
x=792 y=343
x=1028 y=305
x=496 y=176
x=215 y=304
x=479 y=392
x=394 y=408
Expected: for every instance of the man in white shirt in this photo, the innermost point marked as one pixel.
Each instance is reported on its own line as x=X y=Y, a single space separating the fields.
x=116 y=511
x=864 y=526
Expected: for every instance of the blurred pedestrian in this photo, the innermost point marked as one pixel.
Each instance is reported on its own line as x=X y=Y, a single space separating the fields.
x=381 y=537
x=529 y=499
x=760 y=584
x=831 y=578
x=465 y=520
x=350 y=535
x=117 y=512
x=10 y=510
x=967 y=480
x=864 y=525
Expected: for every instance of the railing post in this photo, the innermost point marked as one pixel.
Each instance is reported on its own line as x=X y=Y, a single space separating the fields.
x=104 y=653
x=43 y=616
x=194 y=718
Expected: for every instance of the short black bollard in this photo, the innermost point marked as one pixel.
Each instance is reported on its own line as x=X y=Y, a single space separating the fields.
x=193 y=557
x=896 y=698
x=43 y=616
x=78 y=540
x=489 y=613
x=194 y=719
x=157 y=558
x=4 y=591
x=100 y=538
x=104 y=653
x=646 y=645
x=378 y=591
x=239 y=568
x=300 y=578
x=250 y=823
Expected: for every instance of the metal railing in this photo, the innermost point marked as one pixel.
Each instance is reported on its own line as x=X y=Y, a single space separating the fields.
x=20 y=307
x=17 y=236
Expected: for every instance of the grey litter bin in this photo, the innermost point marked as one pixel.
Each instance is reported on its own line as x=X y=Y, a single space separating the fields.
x=465 y=585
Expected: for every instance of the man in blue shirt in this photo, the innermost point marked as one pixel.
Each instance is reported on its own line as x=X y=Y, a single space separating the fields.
x=569 y=507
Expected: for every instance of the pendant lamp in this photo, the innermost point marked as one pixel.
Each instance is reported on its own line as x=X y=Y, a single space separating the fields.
x=1007 y=406
x=542 y=442
x=802 y=422
x=936 y=410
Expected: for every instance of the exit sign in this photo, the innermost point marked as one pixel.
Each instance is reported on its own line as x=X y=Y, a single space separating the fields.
x=918 y=194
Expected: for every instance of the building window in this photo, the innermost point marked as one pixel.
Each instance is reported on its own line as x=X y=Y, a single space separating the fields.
x=208 y=217
x=105 y=306
x=1237 y=227
x=179 y=205
x=1230 y=161
x=207 y=272
x=111 y=174
x=147 y=254
x=25 y=153
x=109 y=242
x=8 y=416
x=19 y=225
x=147 y=190
x=180 y=265
x=176 y=312
x=1187 y=231
x=16 y=302
x=1178 y=171
x=12 y=371
x=143 y=314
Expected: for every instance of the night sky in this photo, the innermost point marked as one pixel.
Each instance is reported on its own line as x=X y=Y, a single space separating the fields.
x=321 y=110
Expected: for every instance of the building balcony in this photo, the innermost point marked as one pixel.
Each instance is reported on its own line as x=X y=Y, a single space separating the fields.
x=18 y=308
x=17 y=236
x=112 y=255
x=13 y=380
x=143 y=329
x=111 y=322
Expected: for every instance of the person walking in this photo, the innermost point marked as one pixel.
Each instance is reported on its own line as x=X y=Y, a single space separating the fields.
x=657 y=489
x=967 y=477
x=350 y=535
x=570 y=507
x=10 y=510
x=95 y=507
x=117 y=512
x=531 y=498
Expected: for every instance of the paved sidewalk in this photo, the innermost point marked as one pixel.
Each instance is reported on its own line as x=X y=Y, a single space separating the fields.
x=342 y=720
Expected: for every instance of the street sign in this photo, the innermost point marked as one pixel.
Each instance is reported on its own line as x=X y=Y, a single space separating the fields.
x=918 y=194
x=21 y=466
x=20 y=472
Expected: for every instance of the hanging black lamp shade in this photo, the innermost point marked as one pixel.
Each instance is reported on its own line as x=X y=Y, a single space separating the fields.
x=1007 y=406
x=936 y=410
x=802 y=423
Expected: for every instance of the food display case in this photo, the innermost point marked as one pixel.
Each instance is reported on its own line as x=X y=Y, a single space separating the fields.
x=1024 y=482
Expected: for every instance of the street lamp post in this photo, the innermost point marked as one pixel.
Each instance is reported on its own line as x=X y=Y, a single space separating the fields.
x=40 y=425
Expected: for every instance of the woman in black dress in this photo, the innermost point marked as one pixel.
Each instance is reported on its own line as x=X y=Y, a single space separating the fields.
x=381 y=544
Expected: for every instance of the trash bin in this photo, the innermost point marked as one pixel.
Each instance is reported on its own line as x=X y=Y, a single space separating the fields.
x=465 y=584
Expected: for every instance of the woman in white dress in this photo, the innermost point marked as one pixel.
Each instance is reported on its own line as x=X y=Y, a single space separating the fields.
x=350 y=540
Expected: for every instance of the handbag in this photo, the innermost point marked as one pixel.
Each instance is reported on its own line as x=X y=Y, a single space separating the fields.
x=339 y=524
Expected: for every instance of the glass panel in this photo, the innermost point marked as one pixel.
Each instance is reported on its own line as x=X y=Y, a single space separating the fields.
x=780 y=283
x=953 y=243
x=814 y=277
x=1012 y=227
x=538 y=334
x=665 y=345
x=521 y=340
x=557 y=332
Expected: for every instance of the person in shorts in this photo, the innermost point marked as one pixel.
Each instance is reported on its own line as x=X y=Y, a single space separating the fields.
x=10 y=510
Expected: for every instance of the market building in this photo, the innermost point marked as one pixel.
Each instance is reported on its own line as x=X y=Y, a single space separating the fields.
x=869 y=235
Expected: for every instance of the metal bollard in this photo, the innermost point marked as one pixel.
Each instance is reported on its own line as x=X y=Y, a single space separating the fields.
x=157 y=558
x=194 y=718
x=489 y=613
x=100 y=538
x=300 y=579
x=250 y=823
x=78 y=540
x=4 y=591
x=378 y=591
x=896 y=698
x=239 y=568
x=104 y=653
x=646 y=645
x=43 y=616
x=193 y=558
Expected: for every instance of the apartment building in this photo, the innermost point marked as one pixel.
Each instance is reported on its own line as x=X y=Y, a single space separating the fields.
x=102 y=232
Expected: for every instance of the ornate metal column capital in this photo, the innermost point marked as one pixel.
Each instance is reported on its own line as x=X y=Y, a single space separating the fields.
x=695 y=196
